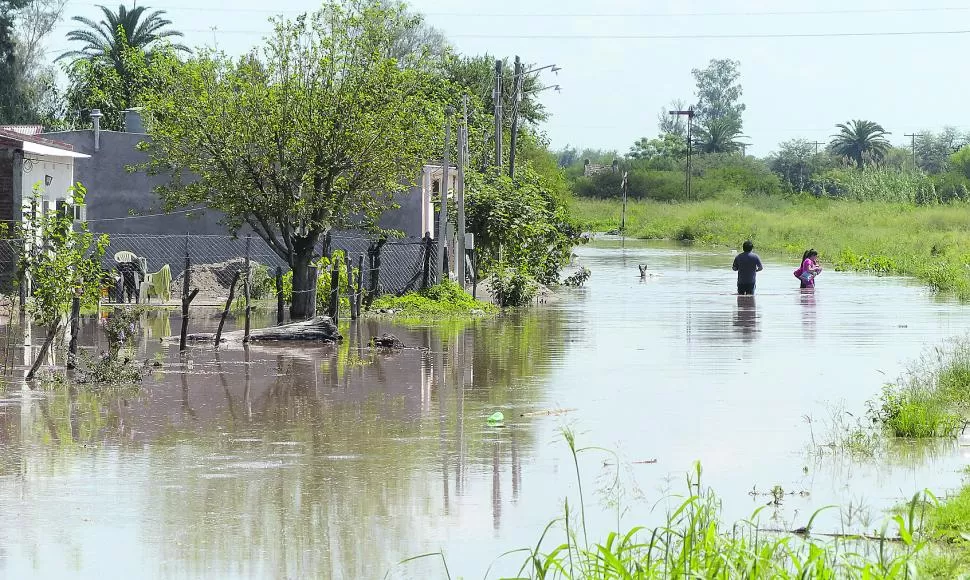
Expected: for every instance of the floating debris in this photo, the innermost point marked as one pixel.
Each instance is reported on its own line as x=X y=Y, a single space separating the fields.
x=547 y=413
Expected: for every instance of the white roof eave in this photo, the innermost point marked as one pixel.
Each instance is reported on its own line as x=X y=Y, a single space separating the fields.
x=38 y=149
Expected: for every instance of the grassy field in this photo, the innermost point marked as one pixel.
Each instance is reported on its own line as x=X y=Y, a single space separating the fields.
x=931 y=243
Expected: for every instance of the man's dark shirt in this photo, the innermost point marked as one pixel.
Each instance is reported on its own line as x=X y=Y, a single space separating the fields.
x=746 y=264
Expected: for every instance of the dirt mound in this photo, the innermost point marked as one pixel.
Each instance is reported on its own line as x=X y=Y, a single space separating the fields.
x=212 y=280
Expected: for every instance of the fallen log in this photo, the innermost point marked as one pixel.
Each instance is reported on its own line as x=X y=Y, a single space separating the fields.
x=318 y=329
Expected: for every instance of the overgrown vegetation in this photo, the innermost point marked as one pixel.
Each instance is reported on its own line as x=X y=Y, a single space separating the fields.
x=512 y=287
x=929 y=243
x=441 y=300
x=932 y=399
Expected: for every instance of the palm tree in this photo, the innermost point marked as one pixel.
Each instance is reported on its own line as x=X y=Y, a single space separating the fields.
x=860 y=141
x=124 y=28
x=718 y=136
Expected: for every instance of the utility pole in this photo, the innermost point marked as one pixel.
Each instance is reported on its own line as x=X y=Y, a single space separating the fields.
x=497 y=98
x=443 y=215
x=462 y=160
x=516 y=95
x=689 y=113
x=816 y=143
x=913 y=135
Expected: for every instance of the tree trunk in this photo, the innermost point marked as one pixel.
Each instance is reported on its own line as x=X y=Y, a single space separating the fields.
x=304 y=289
x=318 y=329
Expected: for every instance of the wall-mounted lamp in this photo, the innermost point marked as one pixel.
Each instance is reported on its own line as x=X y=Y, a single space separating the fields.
x=48 y=179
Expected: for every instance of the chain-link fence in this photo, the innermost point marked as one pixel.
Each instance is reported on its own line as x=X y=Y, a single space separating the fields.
x=151 y=267
x=393 y=266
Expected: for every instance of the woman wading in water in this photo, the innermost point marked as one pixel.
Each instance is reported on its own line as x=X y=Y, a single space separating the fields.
x=809 y=269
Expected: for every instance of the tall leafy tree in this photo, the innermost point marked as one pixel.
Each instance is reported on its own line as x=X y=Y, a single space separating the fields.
x=933 y=150
x=672 y=124
x=314 y=132
x=719 y=92
x=13 y=106
x=720 y=135
x=860 y=141
x=135 y=28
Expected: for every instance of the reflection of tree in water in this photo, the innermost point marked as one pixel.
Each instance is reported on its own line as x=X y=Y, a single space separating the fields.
x=323 y=462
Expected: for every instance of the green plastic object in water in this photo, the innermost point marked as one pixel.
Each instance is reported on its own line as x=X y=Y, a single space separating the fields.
x=496 y=417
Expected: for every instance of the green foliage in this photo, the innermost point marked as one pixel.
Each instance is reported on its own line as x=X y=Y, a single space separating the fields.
x=521 y=222
x=325 y=268
x=64 y=261
x=578 y=278
x=315 y=132
x=263 y=284
x=933 y=151
x=928 y=242
x=719 y=92
x=119 y=31
x=441 y=300
x=876 y=184
x=512 y=287
x=932 y=399
x=718 y=135
x=712 y=175
x=860 y=141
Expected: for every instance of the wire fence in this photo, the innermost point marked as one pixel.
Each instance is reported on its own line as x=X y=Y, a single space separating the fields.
x=151 y=267
x=395 y=266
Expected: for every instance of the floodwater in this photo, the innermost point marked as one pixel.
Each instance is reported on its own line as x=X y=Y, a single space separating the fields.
x=338 y=462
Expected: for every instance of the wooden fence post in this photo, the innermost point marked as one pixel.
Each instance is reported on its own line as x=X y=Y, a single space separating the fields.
x=186 y=300
x=225 y=313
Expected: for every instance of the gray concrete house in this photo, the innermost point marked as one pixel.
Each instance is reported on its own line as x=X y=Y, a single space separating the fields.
x=120 y=201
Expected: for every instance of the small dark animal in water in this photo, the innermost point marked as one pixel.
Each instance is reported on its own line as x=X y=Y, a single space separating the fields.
x=643 y=270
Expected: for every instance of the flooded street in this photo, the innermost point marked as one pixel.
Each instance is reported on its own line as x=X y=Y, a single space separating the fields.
x=338 y=462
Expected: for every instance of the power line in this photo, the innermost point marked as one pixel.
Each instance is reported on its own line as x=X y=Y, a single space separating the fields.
x=653 y=36
x=708 y=36
x=746 y=13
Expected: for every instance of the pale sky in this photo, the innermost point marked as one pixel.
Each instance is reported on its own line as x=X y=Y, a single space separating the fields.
x=614 y=80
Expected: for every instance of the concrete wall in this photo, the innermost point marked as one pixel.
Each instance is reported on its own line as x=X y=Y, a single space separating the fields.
x=114 y=192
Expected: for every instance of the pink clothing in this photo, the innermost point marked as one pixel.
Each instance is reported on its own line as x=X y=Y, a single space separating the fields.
x=808 y=265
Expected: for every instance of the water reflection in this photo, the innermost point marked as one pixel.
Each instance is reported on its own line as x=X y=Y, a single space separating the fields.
x=277 y=461
x=746 y=317
x=807 y=299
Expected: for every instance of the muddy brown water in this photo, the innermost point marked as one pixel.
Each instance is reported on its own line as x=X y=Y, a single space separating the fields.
x=336 y=462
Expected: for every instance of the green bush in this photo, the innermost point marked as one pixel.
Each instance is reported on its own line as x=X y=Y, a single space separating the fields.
x=444 y=299
x=513 y=288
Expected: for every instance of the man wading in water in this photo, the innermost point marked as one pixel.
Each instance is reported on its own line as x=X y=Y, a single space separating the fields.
x=747 y=264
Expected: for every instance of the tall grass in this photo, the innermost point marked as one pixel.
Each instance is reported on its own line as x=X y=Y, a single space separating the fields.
x=693 y=542
x=932 y=398
x=930 y=243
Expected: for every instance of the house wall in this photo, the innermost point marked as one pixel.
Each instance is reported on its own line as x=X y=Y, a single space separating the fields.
x=36 y=168
x=114 y=192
